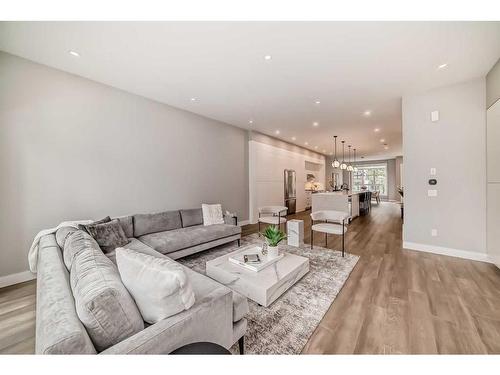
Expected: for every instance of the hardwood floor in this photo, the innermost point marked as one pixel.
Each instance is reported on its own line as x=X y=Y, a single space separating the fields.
x=395 y=300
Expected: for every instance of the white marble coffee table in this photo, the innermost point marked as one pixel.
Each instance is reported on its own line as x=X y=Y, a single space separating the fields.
x=263 y=287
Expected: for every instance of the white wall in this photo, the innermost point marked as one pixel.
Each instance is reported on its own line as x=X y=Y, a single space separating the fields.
x=493 y=85
x=455 y=145
x=71 y=148
x=266 y=175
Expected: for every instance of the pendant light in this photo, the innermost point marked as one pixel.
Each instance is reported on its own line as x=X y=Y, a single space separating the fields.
x=349 y=166
x=355 y=169
x=335 y=162
x=343 y=165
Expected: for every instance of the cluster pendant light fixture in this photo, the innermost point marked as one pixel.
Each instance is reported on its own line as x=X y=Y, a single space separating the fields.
x=349 y=165
x=343 y=165
x=335 y=162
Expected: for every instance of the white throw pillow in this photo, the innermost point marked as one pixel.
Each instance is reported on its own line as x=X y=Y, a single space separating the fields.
x=160 y=286
x=212 y=214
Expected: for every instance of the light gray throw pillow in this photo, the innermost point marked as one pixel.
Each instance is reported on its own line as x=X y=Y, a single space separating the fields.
x=212 y=214
x=103 y=304
x=159 y=285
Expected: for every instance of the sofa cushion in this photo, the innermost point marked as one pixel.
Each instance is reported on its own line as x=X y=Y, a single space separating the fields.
x=62 y=234
x=191 y=217
x=174 y=240
x=108 y=235
x=103 y=304
x=159 y=222
x=135 y=245
x=127 y=223
x=76 y=242
x=159 y=286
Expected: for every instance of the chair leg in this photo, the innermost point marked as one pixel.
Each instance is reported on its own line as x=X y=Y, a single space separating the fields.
x=259 y=228
x=241 y=345
x=326 y=239
x=311 y=239
x=343 y=233
x=239 y=242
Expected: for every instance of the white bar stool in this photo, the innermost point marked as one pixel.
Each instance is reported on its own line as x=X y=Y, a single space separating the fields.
x=332 y=222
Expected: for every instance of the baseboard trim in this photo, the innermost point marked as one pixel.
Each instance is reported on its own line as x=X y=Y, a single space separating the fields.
x=464 y=254
x=16 y=278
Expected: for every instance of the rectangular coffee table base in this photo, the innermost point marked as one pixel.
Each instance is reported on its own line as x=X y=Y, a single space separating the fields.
x=263 y=287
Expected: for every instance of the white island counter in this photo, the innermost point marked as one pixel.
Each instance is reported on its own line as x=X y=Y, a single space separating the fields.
x=345 y=201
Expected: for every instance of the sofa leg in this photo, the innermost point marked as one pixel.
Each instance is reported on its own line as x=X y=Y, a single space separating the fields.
x=239 y=242
x=241 y=345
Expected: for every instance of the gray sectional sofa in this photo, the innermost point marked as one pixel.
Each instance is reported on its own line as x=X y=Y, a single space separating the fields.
x=218 y=314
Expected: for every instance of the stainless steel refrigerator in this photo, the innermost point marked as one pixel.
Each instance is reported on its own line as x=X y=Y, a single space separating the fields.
x=290 y=193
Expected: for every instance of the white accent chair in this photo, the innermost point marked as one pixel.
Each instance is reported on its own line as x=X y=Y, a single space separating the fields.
x=273 y=215
x=331 y=222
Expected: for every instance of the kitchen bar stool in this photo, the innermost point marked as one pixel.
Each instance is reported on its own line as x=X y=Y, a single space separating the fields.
x=274 y=215
x=332 y=222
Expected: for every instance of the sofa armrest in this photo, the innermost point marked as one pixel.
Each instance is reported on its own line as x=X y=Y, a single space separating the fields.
x=58 y=328
x=231 y=219
x=208 y=320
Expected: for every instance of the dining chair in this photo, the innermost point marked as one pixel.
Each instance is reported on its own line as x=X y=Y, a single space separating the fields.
x=330 y=222
x=273 y=215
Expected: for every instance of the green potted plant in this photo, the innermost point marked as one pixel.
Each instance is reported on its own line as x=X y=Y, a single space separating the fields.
x=273 y=236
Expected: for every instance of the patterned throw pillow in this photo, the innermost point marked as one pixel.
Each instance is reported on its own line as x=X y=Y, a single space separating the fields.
x=108 y=235
x=83 y=227
x=212 y=214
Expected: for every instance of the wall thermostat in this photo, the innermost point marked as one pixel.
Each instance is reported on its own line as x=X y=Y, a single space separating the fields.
x=433 y=181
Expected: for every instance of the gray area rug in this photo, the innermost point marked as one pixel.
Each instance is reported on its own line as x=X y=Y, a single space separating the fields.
x=286 y=325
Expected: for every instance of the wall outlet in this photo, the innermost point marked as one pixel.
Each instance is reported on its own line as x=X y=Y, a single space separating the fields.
x=434 y=232
x=434 y=116
x=432 y=193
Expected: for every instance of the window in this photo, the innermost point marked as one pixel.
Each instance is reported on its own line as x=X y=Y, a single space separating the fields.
x=373 y=176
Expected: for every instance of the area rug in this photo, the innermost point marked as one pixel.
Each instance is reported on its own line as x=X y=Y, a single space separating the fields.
x=286 y=325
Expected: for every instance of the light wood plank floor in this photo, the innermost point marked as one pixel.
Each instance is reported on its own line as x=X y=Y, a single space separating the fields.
x=395 y=301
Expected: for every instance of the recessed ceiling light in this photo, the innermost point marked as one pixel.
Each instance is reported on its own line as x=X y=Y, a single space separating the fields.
x=267 y=57
x=315 y=147
x=382 y=140
x=376 y=130
x=386 y=147
x=324 y=151
x=277 y=132
x=250 y=121
x=294 y=139
x=306 y=143
x=315 y=123
x=317 y=102
x=193 y=99
x=367 y=113
x=74 y=53
x=442 y=66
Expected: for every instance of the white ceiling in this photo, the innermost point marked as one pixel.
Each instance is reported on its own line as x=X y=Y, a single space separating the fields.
x=349 y=67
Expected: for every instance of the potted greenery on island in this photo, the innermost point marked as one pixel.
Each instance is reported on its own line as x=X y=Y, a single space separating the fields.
x=273 y=236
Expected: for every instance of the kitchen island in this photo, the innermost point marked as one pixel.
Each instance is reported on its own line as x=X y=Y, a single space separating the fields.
x=345 y=201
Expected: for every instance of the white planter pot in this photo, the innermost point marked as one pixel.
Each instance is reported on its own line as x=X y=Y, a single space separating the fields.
x=272 y=251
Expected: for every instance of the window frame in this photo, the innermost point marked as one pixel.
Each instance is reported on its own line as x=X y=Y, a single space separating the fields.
x=373 y=166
